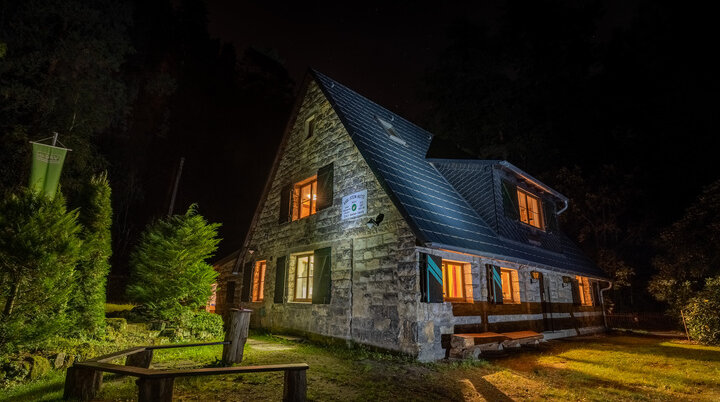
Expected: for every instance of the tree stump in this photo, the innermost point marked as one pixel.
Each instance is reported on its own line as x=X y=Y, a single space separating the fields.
x=155 y=389
x=236 y=334
x=81 y=383
x=141 y=359
x=295 y=388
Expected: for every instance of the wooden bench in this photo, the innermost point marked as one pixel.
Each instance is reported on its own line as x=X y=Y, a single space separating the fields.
x=466 y=345
x=84 y=379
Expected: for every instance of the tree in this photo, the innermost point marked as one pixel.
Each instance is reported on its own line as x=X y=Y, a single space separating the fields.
x=169 y=272
x=689 y=254
x=88 y=300
x=39 y=248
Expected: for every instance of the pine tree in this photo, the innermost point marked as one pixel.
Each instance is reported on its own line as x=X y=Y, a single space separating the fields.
x=39 y=249
x=88 y=301
x=169 y=272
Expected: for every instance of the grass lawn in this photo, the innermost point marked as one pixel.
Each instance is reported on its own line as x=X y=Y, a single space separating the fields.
x=590 y=368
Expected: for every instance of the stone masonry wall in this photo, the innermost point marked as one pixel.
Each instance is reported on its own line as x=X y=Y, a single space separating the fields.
x=373 y=270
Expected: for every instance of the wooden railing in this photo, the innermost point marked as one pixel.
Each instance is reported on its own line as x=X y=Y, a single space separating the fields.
x=84 y=379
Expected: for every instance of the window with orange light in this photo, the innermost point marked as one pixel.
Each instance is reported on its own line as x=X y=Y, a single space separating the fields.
x=584 y=290
x=510 y=286
x=529 y=209
x=258 y=288
x=453 y=281
x=304 y=198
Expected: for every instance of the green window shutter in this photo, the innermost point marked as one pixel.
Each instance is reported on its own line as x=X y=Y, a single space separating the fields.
x=551 y=223
x=280 y=271
x=230 y=294
x=285 y=204
x=321 y=276
x=431 y=280
x=247 y=282
x=325 y=187
x=575 y=286
x=494 y=282
x=510 y=200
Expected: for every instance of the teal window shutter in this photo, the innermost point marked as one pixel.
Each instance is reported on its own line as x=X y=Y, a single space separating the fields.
x=280 y=271
x=431 y=280
x=494 y=282
x=322 y=282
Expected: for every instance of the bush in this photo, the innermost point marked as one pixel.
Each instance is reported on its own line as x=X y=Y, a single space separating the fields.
x=117 y=324
x=701 y=313
x=204 y=325
x=169 y=272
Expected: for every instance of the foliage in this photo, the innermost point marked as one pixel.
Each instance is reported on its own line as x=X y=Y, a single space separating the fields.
x=205 y=325
x=88 y=300
x=39 y=248
x=701 y=313
x=169 y=269
x=688 y=251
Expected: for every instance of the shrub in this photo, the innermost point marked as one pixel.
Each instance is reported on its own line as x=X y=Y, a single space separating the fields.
x=39 y=248
x=117 y=324
x=701 y=313
x=169 y=272
x=204 y=325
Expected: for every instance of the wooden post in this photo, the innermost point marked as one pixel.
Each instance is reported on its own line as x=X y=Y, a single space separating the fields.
x=155 y=389
x=295 y=388
x=687 y=334
x=140 y=359
x=81 y=383
x=236 y=334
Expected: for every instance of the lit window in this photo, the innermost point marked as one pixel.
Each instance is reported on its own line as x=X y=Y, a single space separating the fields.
x=310 y=127
x=304 y=277
x=510 y=286
x=529 y=209
x=304 y=198
x=453 y=281
x=259 y=281
x=584 y=290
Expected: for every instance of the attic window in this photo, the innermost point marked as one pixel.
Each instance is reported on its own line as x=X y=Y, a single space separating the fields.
x=529 y=209
x=391 y=131
x=310 y=126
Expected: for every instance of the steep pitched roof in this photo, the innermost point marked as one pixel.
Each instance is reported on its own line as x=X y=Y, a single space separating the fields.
x=438 y=214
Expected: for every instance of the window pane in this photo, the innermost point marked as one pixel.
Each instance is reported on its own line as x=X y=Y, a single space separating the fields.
x=506 y=285
x=522 y=202
x=457 y=274
x=305 y=200
x=302 y=263
x=314 y=197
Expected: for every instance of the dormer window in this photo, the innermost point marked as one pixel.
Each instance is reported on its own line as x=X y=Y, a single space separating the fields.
x=390 y=130
x=529 y=209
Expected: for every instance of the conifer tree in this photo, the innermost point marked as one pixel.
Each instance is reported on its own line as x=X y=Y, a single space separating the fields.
x=88 y=301
x=39 y=248
x=169 y=272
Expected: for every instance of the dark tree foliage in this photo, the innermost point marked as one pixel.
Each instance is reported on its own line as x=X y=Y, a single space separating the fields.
x=60 y=72
x=88 y=300
x=39 y=248
x=170 y=273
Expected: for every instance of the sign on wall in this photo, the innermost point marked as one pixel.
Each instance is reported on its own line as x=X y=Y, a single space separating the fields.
x=354 y=205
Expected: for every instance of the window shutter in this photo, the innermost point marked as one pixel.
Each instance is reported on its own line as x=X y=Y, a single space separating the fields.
x=230 y=294
x=575 y=286
x=247 y=282
x=285 y=204
x=321 y=276
x=431 y=283
x=551 y=223
x=324 y=187
x=494 y=281
x=510 y=200
x=595 y=293
x=280 y=271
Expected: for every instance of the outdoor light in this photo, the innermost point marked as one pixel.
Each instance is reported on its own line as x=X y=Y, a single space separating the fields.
x=566 y=281
x=375 y=222
x=534 y=276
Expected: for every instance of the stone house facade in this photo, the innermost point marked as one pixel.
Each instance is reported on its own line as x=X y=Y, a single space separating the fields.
x=359 y=237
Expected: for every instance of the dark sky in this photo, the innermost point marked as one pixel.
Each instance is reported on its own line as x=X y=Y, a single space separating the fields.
x=379 y=49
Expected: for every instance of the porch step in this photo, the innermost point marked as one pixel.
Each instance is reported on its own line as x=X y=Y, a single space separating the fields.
x=473 y=345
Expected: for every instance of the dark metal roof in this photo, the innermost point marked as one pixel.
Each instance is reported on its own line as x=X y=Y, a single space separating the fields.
x=436 y=211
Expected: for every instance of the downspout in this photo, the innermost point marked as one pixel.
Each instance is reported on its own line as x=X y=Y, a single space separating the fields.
x=602 y=302
x=352 y=272
x=563 y=210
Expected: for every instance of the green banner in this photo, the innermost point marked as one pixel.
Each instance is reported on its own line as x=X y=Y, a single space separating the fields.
x=47 y=163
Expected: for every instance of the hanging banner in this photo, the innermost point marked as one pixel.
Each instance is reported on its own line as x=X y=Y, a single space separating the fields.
x=47 y=164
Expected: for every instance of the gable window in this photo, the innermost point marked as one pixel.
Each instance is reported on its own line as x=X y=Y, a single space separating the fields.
x=584 y=291
x=529 y=208
x=510 y=286
x=304 y=198
x=310 y=127
x=258 y=289
x=456 y=281
x=304 y=265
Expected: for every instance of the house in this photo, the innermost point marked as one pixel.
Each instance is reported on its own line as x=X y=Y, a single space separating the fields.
x=358 y=236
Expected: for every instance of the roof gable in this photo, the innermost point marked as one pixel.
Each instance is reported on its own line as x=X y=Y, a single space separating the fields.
x=434 y=209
